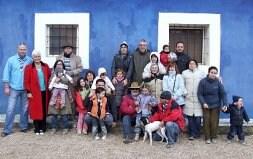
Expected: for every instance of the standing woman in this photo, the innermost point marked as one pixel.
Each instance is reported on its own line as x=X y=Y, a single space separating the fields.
x=193 y=108
x=212 y=96
x=36 y=79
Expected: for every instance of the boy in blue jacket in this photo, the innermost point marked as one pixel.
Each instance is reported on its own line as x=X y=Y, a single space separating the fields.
x=237 y=114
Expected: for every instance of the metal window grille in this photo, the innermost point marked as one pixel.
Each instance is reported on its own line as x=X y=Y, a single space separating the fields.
x=58 y=35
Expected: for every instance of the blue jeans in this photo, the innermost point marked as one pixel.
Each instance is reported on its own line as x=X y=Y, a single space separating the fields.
x=137 y=129
x=127 y=121
x=172 y=132
x=108 y=119
x=65 y=122
x=194 y=124
x=10 y=113
x=236 y=130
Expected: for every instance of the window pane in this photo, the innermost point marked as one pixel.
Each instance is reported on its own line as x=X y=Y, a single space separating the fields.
x=58 y=35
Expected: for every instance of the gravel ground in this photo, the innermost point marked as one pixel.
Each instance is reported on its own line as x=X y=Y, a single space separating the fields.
x=28 y=145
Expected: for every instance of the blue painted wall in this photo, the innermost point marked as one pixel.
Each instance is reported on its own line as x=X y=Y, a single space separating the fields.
x=113 y=21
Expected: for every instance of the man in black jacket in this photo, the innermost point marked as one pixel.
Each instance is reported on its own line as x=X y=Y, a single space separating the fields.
x=182 y=57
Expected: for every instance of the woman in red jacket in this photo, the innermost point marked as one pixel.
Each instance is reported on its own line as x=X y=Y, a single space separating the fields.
x=128 y=110
x=36 y=79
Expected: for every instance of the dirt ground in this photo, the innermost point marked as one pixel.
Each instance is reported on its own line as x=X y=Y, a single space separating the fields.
x=28 y=145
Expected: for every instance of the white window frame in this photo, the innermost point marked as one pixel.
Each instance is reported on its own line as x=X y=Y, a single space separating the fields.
x=40 y=32
x=211 y=52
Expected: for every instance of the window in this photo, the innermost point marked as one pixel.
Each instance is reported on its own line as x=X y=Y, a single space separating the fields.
x=58 y=35
x=52 y=30
x=199 y=31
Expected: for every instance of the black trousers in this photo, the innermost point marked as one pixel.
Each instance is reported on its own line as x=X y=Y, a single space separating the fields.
x=40 y=125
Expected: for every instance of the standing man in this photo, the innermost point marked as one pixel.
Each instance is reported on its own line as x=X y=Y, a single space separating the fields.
x=13 y=78
x=182 y=57
x=141 y=57
x=73 y=67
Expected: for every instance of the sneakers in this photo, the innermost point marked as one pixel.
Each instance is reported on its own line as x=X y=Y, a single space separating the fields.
x=214 y=141
x=41 y=132
x=37 y=133
x=85 y=132
x=208 y=141
x=104 y=137
x=229 y=141
x=65 y=131
x=191 y=138
x=53 y=131
x=79 y=132
x=97 y=137
x=243 y=142
x=4 y=134
x=169 y=145
x=137 y=137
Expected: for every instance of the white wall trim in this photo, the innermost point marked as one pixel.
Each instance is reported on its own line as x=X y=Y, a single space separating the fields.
x=212 y=20
x=80 y=19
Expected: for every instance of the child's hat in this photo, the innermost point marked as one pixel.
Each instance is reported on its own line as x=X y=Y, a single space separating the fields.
x=236 y=98
x=165 y=95
x=58 y=70
x=101 y=70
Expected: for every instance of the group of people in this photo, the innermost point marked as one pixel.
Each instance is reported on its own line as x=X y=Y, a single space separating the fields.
x=144 y=85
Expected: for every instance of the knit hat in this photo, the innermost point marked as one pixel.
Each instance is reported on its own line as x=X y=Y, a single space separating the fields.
x=236 y=98
x=58 y=70
x=165 y=95
x=124 y=43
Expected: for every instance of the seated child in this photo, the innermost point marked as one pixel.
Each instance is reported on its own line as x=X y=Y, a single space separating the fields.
x=237 y=114
x=98 y=110
x=166 y=57
x=59 y=85
x=154 y=58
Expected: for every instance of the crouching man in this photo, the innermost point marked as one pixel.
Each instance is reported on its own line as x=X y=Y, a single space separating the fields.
x=171 y=116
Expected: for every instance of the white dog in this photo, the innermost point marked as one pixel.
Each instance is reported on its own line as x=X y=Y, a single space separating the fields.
x=155 y=126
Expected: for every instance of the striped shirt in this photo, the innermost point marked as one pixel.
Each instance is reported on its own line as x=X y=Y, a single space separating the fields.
x=67 y=64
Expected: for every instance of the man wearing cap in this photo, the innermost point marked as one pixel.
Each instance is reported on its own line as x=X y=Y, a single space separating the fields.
x=129 y=109
x=171 y=116
x=73 y=67
x=124 y=61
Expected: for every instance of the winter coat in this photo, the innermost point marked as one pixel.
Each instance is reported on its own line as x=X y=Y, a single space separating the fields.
x=173 y=113
x=156 y=85
x=81 y=107
x=237 y=114
x=165 y=58
x=191 y=81
x=147 y=72
x=108 y=83
x=212 y=92
x=75 y=65
x=97 y=108
x=145 y=101
x=120 y=91
x=140 y=60
x=32 y=85
x=125 y=63
x=128 y=106
x=176 y=82
x=182 y=61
